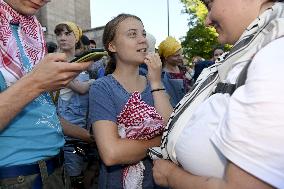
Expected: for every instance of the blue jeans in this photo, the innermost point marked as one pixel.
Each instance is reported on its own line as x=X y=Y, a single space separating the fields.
x=73 y=163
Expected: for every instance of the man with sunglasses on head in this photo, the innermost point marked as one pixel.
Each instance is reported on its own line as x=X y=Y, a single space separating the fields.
x=31 y=136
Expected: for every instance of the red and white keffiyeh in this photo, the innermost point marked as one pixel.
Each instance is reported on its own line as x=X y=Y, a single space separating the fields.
x=31 y=37
x=140 y=121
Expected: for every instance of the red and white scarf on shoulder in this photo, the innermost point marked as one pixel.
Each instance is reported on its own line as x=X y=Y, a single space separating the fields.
x=31 y=37
x=138 y=121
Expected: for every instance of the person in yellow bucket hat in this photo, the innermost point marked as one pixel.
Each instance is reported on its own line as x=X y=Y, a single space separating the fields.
x=169 y=47
x=174 y=77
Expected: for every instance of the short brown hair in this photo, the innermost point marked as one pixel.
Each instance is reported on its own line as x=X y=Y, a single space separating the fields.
x=60 y=28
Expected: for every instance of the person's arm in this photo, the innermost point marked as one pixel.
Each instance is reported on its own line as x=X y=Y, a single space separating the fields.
x=168 y=174
x=75 y=131
x=161 y=98
x=50 y=74
x=103 y=109
x=15 y=98
x=80 y=87
x=115 y=150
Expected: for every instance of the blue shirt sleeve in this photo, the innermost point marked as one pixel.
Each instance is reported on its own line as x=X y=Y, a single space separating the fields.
x=101 y=105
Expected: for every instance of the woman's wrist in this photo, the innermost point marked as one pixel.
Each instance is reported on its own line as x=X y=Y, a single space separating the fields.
x=158 y=89
x=176 y=170
x=157 y=85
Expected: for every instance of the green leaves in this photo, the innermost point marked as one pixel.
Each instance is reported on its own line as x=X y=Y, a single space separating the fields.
x=199 y=40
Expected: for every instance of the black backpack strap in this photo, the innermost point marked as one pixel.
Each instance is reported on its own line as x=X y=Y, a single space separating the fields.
x=225 y=88
x=230 y=88
x=243 y=76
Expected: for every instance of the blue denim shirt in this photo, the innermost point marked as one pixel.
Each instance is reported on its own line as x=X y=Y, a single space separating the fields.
x=174 y=87
x=75 y=109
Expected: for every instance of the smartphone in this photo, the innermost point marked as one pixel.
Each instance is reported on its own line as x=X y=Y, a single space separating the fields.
x=93 y=54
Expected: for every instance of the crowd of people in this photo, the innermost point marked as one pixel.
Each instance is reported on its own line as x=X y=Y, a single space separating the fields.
x=142 y=117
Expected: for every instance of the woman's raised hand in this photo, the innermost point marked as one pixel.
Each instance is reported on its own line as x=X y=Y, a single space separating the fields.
x=153 y=61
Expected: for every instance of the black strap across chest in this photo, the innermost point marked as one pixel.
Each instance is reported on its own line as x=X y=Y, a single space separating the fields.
x=230 y=88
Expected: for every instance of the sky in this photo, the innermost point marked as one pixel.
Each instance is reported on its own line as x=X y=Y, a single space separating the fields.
x=153 y=14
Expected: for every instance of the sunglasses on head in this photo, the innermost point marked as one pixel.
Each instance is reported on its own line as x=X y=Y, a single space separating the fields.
x=218 y=54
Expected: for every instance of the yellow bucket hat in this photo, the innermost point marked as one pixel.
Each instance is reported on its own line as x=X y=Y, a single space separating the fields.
x=75 y=29
x=169 y=47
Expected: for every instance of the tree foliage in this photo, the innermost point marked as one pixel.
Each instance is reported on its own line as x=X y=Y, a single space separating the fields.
x=199 y=40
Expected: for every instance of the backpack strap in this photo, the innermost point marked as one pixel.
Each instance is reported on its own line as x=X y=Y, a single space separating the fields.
x=225 y=88
x=230 y=88
x=2 y=83
x=243 y=76
x=54 y=96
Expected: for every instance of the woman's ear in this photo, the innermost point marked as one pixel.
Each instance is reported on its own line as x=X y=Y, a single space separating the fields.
x=111 y=47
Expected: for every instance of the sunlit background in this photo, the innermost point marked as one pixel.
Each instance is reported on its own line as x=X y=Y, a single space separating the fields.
x=154 y=14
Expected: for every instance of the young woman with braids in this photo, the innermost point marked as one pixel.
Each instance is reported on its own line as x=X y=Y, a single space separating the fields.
x=125 y=40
